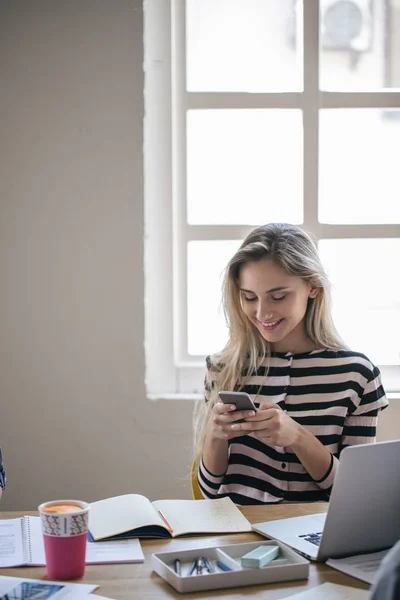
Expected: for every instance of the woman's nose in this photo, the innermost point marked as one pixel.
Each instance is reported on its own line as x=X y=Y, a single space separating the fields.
x=264 y=313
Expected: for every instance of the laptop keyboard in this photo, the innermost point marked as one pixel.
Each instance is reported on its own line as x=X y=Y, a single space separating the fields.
x=313 y=538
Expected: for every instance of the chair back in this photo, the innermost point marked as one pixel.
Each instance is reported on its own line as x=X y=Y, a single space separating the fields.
x=194 y=482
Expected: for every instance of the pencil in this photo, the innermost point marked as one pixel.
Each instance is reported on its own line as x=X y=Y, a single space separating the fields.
x=193 y=566
x=177 y=566
x=208 y=565
x=165 y=521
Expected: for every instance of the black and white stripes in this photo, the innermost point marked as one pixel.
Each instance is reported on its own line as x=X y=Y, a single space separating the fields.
x=334 y=394
x=3 y=476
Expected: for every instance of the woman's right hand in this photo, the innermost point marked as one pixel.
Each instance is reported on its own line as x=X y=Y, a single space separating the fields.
x=222 y=418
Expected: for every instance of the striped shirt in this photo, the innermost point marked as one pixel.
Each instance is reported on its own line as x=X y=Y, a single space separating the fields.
x=336 y=395
x=2 y=472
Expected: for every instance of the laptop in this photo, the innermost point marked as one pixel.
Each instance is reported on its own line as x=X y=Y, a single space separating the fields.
x=364 y=509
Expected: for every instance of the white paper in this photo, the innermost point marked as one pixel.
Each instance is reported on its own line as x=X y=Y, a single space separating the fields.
x=211 y=516
x=89 y=597
x=13 y=553
x=15 y=588
x=118 y=551
x=11 y=549
x=331 y=591
x=362 y=566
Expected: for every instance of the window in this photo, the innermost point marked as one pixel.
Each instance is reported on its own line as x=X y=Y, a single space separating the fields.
x=269 y=110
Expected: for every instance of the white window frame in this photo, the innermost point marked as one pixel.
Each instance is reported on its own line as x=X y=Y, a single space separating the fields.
x=170 y=370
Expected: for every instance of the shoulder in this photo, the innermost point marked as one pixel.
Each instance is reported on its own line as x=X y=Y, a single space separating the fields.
x=213 y=369
x=351 y=361
x=365 y=378
x=214 y=364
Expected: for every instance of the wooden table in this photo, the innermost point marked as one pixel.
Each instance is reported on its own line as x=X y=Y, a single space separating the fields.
x=130 y=581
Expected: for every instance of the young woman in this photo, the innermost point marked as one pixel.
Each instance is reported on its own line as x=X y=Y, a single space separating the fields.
x=314 y=395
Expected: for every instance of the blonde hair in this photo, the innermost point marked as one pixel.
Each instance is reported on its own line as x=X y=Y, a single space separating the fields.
x=294 y=251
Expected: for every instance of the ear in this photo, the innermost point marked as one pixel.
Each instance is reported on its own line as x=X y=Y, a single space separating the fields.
x=313 y=293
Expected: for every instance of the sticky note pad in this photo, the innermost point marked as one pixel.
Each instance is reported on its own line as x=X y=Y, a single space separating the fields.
x=260 y=556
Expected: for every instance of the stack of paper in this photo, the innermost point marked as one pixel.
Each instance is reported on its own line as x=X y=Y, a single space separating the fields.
x=331 y=591
x=362 y=566
x=19 y=587
x=21 y=543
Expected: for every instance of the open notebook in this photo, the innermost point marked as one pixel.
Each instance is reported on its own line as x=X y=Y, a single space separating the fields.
x=133 y=515
x=21 y=544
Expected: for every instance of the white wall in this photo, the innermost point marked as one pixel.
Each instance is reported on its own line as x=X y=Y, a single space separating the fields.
x=74 y=419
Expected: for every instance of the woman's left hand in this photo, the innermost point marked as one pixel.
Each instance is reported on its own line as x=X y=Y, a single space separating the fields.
x=271 y=425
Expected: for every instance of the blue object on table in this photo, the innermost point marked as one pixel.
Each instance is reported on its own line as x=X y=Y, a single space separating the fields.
x=260 y=556
x=222 y=566
x=193 y=567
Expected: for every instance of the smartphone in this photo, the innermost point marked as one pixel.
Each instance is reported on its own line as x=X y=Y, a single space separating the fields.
x=241 y=400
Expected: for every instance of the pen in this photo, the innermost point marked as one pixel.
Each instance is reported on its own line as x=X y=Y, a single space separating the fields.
x=177 y=566
x=193 y=566
x=165 y=520
x=200 y=566
x=208 y=565
x=223 y=566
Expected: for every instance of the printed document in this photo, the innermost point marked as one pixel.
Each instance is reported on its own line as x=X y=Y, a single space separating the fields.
x=362 y=566
x=331 y=591
x=21 y=544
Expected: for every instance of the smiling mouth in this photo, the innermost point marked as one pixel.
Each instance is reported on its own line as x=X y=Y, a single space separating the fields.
x=270 y=325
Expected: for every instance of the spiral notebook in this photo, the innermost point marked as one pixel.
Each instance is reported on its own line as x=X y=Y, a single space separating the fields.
x=21 y=544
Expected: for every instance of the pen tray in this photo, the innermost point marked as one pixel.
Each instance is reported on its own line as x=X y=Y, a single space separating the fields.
x=287 y=567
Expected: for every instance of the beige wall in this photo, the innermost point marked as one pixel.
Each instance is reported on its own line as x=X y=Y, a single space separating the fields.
x=74 y=418
x=389 y=422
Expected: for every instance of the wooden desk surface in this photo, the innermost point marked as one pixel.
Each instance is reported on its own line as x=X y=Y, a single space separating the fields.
x=129 y=581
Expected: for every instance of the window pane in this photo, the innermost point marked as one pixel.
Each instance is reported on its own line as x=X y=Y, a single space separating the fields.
x=244 y=166
x=366 y=295
x=359 y=166
x=243 y=45
x=207 y=332
x=360 y=42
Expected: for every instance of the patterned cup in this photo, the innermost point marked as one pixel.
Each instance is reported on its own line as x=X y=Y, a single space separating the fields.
x=65 y=529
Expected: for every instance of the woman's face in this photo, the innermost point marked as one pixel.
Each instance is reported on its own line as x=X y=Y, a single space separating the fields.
x=276 y=303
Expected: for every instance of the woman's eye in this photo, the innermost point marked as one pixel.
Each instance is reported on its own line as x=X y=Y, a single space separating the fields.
x=277 y=298
x=250 y=299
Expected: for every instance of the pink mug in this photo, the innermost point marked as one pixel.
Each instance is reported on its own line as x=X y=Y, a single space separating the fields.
x=65 y=529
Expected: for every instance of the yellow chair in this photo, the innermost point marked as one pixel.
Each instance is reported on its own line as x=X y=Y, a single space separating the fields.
x=194 y=482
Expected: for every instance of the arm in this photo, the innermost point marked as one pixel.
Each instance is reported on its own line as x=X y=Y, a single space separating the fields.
x=362 y=418
x=215 y=456
x=215 y=447
x=359 y=428
x=215 y=452
x=273 y=426
x=2 y=475
x=313 y=455
x=213 y=465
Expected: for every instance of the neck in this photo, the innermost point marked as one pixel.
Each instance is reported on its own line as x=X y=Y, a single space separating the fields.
x=297 y=344
x=294 y=348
